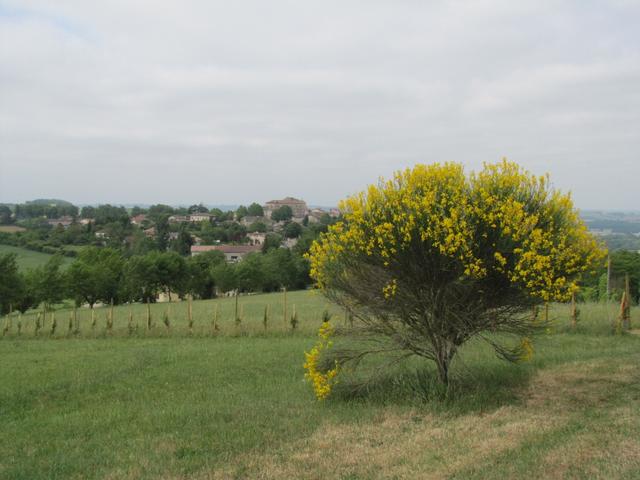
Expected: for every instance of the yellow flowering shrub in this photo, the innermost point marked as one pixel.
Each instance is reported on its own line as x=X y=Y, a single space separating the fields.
x=322 y=381
x=434 y=256
x=501 y=221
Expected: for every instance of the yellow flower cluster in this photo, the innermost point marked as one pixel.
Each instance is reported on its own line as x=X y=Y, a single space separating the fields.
x=322 y=382
x=502 y=220
x=526 y=347
x=390 y=289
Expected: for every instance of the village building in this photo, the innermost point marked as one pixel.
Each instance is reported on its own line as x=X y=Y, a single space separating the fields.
x=233 y=253
x=315 y=214
x=178 y=219
x=138 y=219
x=298 y=207
x=63 y=221
x=250 y=220
x=256 y=238
x=201 y=217
x=150 y=232
x=289 y=242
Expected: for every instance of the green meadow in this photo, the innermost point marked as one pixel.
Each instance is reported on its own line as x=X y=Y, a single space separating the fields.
x=176 y=402
x=29 y=258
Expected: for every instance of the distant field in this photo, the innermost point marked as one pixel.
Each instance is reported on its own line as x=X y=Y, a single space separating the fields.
x=29 y=258
x=11 y=229
x=233 y=404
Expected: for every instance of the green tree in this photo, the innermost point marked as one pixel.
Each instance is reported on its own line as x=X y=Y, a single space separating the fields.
x=292 y=230
x=141 y=278
x=10 y=282
x=281 y=269
x=271 y=241
x=282 y=214
x=250 y=273
x=172 y=272
x=96 y=275
x=28 y=287
x=257 y=227
x=624 y=262
x=51 y=284
x=200 y=208
x=201 y=280
x=224 y=276
x=136 y=210
x=160 y=210
x=88 y=212
x=433 y=258
x=241 y=212
x=255 y=210
x=216 y=212
x=5 y=215
x=162 y=232
x=182 y=244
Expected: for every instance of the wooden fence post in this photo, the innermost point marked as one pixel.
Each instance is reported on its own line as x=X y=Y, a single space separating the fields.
x=54 y=324
x=148 y=315
x=546 y=312
x=265 y=319
x=627 y=311
x=130 y=322
x=214 y=321
x=284 y=317
x=110 y=323
x=574 y=311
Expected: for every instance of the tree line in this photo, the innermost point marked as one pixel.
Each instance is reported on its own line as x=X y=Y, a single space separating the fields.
x=105 y=275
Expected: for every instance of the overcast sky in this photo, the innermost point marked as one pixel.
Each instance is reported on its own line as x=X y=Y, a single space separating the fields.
x=234 y=101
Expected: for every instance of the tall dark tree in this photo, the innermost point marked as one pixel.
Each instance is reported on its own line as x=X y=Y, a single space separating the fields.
x=201 y=281
x=241 y=212
x=182 y=244
x=9 y=281
x=255 y=210
x=292 y=230
x=162 y=232
x=5 y=215
x=200 y=208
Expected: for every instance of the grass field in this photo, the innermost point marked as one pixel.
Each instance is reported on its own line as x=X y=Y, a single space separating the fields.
x=29 y=258
x=162 y=404
x=12 y=229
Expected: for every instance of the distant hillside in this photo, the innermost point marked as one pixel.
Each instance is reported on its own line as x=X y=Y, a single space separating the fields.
x=50 y=201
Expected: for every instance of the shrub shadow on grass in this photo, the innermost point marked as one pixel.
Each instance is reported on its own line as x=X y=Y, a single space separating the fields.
x=472 y=389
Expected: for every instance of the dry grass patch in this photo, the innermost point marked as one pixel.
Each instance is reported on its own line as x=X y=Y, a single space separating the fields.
x=418 y=445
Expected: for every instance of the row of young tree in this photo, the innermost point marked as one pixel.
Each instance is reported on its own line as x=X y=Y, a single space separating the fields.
x=608 y=282
x=104 y=275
